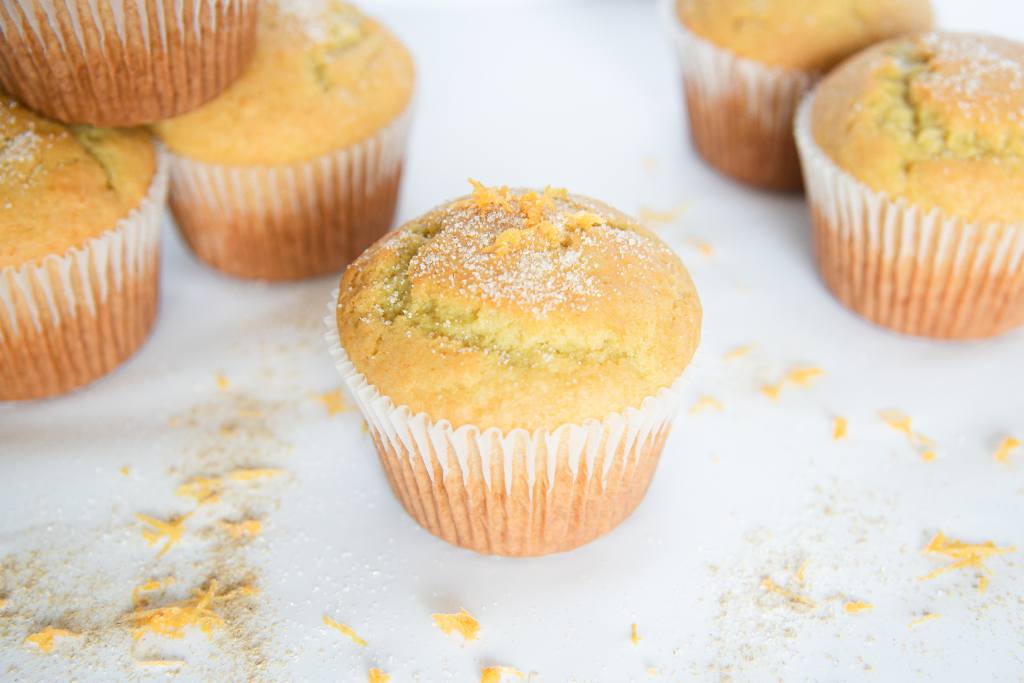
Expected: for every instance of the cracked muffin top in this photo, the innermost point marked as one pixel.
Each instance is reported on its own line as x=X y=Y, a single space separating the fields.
x=519 y=309
x=810 y=35
x=61 y=186
x=937 y=119
x=324 y=77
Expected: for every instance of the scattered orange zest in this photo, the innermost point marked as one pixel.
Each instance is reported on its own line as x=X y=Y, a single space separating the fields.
x=634 y=637
x=705 y=403
x=792 y=597
x=202 y=489
x=493 y=674
x=922 y=619
x=344 y=630
x=248 y=528
x=223 y=383
x=901 y=423
x=461 y=622
x=124 y=471
x=982 y=583
x=800 y=376
x=704 y=247
x=801 y=572
x=649 y=216
x=44 y=640
x=962 y=554
x=928 y=456
x=139 y=600
x=378 y=676
x=839 y=427
x=856 y=606
x=333 y=401
x=157 y=530
x=1006 y=447
x=171 y=621
x=738 y=352
x=253 y=473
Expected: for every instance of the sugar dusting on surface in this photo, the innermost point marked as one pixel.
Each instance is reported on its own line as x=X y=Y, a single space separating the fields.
x=984 y=76
x=538 y=260
x=324 y=21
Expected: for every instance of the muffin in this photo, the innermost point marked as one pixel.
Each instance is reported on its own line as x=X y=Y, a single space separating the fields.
x=79 y=245
x=913 y=153
x=747 y=63
x=294 y=170
x=517 y=356
x=123 y=64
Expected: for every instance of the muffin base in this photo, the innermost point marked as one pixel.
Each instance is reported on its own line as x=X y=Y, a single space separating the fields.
x=150 y=63
x=516 y=493
x=740 y=111
x=74 y=318
x=917 y=272
x=290 y=222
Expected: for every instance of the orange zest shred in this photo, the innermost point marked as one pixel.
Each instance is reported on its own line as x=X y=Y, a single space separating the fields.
x=171 y=621
x=488 y=198
x=790 y=596
x=250 y=474
x=494 y=674
x=801 y=572
x=703 y=246
x=738 y=352
x=157 y=530
x=982 y=583
x=839 y=427
x=461 y=622
x=650 y=216
x=802 y=377
x=123 y=471
x=962 y=554
x=223 y=383
x=202 y=489
x=161 y=663
x=344 y=630
x=138 y=597
x=247 y=528
x=333 y=401
x=928 y=616
x=928 y=456
x=706 y=403
x=857 y=606
x=1006 y=447
x=378 y=676
x=44 y=640
x=901 y=423
x=634 y=636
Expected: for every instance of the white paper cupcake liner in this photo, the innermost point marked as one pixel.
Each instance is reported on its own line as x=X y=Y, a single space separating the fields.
x=122 y=62
x=517 y=492
x=740 y=111
x=75 y=317
x=915 y=271
x=293 y=221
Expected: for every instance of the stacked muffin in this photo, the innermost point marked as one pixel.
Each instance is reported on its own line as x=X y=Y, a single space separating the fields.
x=747 y=63
x=79 y=220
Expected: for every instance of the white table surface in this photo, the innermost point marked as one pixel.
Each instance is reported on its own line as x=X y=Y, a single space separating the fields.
x=583 y=96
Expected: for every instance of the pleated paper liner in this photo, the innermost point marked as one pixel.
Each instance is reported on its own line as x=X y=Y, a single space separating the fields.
x=516 y=493
x=914 y=271
x=740 y=111
x=295 y=221
x=74 y=318
x=123 y=62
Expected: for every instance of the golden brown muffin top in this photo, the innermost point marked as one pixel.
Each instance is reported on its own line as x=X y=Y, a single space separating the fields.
x=809 y=35
x=324 y=77
x=61 y=186
x=937 y=119
x=519 y=309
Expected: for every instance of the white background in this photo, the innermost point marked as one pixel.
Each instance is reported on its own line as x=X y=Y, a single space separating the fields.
x=581 y=95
